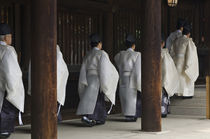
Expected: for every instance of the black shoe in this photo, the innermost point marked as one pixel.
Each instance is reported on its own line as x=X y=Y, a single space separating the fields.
x=100 y=122
x=164 y=115
x=130 y=119
x=4 y=135
x=187 y=97
x=88 y=122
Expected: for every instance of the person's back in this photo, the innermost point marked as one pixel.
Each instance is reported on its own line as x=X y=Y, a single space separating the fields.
x=129 y=66
x=176 y=34
x=11 y=85
x=179 y=51
x=126 y=60
x=98 y=78
x=92 y=58
x=172 y=37
x=184 y=54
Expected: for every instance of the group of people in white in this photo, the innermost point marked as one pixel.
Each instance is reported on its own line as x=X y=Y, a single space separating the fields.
x=99 y=78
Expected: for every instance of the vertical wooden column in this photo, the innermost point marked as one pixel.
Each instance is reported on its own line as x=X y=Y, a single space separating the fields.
x=151 y=67
x=26 y=36
x=207 y=41
x=18 y=31
x=108 y=34
x=208 y=97
x=43 y=69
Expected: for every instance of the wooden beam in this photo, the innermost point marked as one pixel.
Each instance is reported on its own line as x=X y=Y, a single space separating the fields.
x=9 y=2
x=84 y=4
x=151 y=67
x=43 y=69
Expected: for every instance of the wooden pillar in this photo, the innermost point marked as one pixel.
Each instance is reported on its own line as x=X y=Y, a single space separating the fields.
x=208 y=97
x=207 y=41
x=18 y=31
x=43 y=69
x=108 y=32
x=26 y=36
x=151 y=67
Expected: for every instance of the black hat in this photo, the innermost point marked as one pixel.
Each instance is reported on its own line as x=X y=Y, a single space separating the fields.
x=187 y=29
x=180 y=23
x=130 y=38
x=5 y=29
x=94 y=38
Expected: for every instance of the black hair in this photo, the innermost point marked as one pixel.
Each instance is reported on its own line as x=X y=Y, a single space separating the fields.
x=94 y=44
x=94 y=40
x=187 y=29
x=130 y=40
x=180 y=23
x=129 y=44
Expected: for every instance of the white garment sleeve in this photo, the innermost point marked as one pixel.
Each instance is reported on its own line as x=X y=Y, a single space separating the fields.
x=14 y=83
x=108 y=77
x=192 y=66
x=170 y=76
x=135 y=79
x=82 y=79
x=62 y=77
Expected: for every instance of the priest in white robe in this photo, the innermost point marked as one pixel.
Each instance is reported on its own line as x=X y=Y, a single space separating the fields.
x=97 y=82
x=176 y=34
x=184 y=54
x=129 y=65
x=62 y=79
x=170 y=78
x=12 y=93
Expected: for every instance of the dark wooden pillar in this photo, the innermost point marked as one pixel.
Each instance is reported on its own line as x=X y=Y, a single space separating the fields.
x=108 y=31
x=108 y=34
x=207 y=32
x=207 y=41
x=151 y=67
x=26 y=36
x=208 y=97
x=18 y=30
x=43 y=67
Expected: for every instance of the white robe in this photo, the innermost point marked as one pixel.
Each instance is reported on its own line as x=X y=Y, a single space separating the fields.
x=170 y=76
x=97 y=74
x=62 y=77
x=129 y=65
x=172 y=37
x=184 y=54
x=11 y=77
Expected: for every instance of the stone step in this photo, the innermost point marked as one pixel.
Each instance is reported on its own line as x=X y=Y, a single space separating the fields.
x=200 y=95
x=181 y=110
x=194 y=102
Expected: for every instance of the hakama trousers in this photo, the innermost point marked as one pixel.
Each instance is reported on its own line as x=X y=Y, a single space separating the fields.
x=165 y=102
x=99 y=113
x=8 y=117
x=138 y=106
